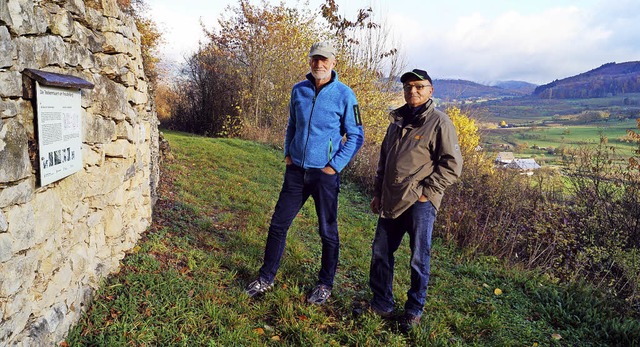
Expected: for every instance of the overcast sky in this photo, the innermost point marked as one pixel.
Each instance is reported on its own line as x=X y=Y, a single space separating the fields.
x=478 y=40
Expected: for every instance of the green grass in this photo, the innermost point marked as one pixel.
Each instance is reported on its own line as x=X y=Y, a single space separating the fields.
x=183 y=284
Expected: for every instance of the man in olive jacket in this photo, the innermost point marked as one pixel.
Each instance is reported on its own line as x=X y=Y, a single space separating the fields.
x=419 y=158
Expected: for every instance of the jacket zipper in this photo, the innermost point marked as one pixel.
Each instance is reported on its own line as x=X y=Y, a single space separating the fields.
x=313 y=106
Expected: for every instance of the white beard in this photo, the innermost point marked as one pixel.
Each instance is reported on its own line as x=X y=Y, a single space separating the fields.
x=320 y=76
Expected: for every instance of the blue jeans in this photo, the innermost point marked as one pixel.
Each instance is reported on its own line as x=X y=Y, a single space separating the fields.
x=417 y=221
x=298 y=185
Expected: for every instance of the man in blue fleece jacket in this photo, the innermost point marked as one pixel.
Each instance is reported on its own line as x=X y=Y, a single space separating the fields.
x=322 y=112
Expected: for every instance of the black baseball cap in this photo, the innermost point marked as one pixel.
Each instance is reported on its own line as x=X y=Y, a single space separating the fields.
x=420 y=74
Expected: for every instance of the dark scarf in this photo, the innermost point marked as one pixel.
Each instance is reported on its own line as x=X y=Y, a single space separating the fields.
x=409 y=113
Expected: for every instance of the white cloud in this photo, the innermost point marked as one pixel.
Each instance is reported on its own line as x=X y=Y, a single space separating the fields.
x=537 y=46
x=469 y=39
x=180 y=27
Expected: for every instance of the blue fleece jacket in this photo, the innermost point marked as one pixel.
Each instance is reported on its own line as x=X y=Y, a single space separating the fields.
x=318 y=122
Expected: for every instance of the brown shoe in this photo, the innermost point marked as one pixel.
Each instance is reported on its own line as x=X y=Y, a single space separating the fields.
x=408 y=322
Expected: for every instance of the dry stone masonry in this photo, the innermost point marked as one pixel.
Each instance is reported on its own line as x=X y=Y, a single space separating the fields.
x=58 y=241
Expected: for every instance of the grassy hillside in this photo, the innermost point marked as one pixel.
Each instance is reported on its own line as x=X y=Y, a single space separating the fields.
x=183 y=284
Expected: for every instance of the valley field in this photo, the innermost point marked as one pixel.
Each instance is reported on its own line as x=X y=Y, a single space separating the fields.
x=549 y=140
x=544 y=128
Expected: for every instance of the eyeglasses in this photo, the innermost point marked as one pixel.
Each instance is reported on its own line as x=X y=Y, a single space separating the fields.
x=419 y=87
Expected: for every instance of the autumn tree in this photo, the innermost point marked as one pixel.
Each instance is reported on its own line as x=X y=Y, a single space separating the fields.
x=264 y=49
x=369 y=62
x=267 y=47
x=207 y=100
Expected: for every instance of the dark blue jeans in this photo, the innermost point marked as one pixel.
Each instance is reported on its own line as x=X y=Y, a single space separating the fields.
x=298 y=185
x=417 y=221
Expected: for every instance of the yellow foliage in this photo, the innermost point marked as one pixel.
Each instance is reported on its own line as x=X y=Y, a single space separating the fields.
x=468 y=136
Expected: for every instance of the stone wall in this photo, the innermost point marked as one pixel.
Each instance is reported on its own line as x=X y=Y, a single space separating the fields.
x=58 y=241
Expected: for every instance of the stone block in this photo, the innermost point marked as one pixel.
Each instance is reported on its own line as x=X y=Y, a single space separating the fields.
x=92 y=155
x=20 y=302
x=8 y=109
x=55 y=316
x=118 y=149
x=42 y=51
x=124 y=130
x=17 y=273
x=6 y=251
x=50 y=258
x=25 y=116
x=117 y=43
x=116 y=197
x=21 y=226
x=23 y=17
x=110 y=8
x=17 y=194
x=11 y=328
x=108 y=99
x=57 y=285
x=136 y=97
x=72 y=190
x=79 y=257
x=86 y=38
x=10 y=84
x=7 y=48
x=113 y=223
x=14 y=155
x=108 y=177
x=48 y=213
x=98 y=130
x=4 y=226
x=76 y=7
x=62 y=24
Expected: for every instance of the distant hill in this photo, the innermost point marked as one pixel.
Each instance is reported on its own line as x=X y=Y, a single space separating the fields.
x=456 y=90
x=520 y=86
x=610 y=79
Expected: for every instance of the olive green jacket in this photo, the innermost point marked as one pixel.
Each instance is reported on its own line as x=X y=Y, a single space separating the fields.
x=420 y=158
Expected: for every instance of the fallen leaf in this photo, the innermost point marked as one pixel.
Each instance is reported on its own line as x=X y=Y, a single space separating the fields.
x=497 y=291
x=275 y=338
x=556 y=336
x=535 y=344
x=259 y=331
x=302 y=317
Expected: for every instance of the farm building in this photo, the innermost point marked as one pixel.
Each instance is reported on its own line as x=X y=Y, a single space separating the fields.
x=526 y=166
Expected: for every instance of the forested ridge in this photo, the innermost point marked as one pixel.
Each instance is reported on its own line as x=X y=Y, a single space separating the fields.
x=607 y=80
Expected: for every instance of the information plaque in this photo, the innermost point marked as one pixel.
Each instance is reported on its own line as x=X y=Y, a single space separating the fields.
x=59 y=132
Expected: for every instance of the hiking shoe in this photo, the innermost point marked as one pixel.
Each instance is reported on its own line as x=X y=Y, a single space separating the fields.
x=319 y=295
x=408 y=322
x=258 y=287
